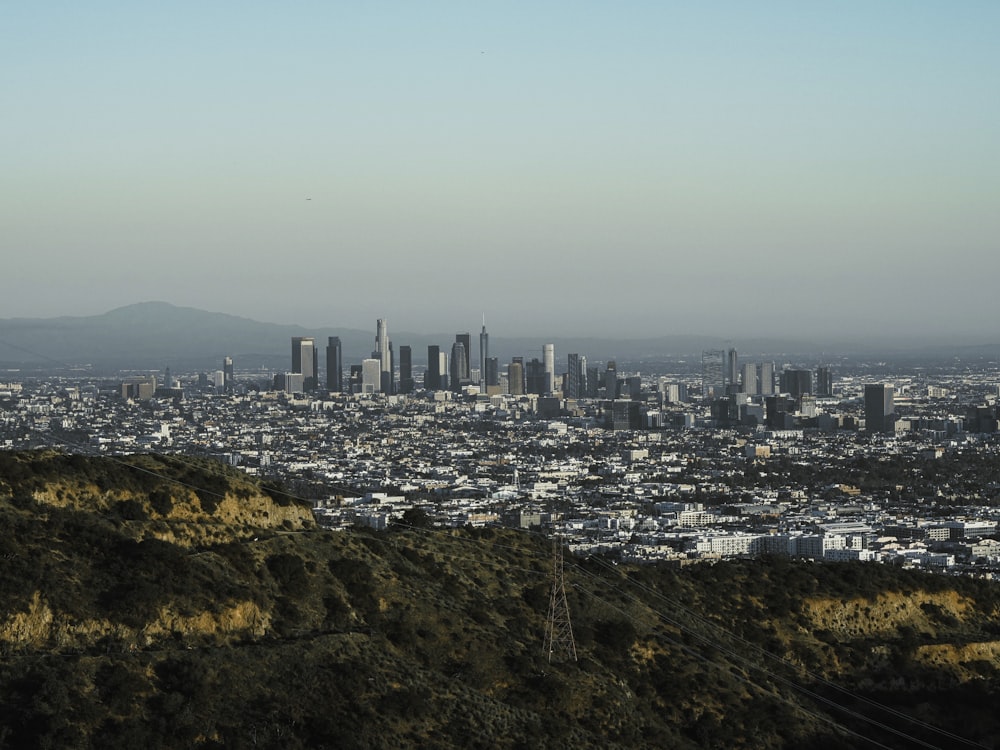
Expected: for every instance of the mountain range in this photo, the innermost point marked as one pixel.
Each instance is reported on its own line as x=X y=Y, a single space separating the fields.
x=155 y=335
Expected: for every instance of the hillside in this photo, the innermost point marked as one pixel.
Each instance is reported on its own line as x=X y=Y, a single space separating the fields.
x=166 y=602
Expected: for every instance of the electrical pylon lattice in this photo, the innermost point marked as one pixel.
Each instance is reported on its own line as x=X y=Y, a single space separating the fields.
x=559 y=642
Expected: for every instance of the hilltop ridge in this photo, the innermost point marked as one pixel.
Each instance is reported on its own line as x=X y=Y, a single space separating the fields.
x=129 y=620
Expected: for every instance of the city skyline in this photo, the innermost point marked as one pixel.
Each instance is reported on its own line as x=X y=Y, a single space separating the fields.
x=819 y=170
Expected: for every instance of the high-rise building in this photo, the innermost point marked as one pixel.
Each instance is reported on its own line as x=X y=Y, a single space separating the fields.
x=515 y=376
x=382 y=343
x=593 y=381
x=713 y=379
x=611 y=380
x=535 y=377
x=766 y=379
x=824 y=382
x=305 y=360
x=458 y=371
x=465 y=339
x=405 y=369
x=432 y=376
x=371 y=375
x=573 y=389
x=443 y=369
x=879 y=408
x=492 y=376
x=796 y=382
x=484 y=353
x=228 y=375
x=334 y=365
x=549 y=362
x=732 y=371
x=751 y=385
x=383 y=353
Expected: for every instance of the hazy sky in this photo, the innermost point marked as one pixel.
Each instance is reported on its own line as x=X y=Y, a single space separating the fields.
x=771 y=168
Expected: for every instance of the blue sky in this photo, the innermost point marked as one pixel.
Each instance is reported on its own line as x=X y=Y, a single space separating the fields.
x=775 y=168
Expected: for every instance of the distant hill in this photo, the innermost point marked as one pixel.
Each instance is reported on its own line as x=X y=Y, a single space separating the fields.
x=156 y=335
x=166 y=602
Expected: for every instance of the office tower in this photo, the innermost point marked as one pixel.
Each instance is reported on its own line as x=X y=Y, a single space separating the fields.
x=879 y=408
x=796 y=382
x=432 y=376
x=443 y=369
x=634 y=385
x=732 y=370
x=623 y=415
x=334 y=365
x=228 y=375
x=484 y=353
x=593 y=382
x=388 y=377
x=459 y=369
x=766 y=380
x=535 y=377
x=383 y=353
x=573 y=376
x=465 y=339
x=371 y=375
x=515 y=376
x=751 y=386
x=611 y=380
x=405 y=369
x=305 y=360
x=807 y=405
x=382 y=343
x=354 y=379
x=492 y=377
x=583 y=377
x=713 y=378
x=824 y=382
x=294 y=382
x=549 y=362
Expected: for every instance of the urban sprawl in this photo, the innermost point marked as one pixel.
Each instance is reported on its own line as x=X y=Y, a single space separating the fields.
x=706 y=458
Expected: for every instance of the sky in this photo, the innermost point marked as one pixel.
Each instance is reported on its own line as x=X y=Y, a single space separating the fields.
x=821 y=170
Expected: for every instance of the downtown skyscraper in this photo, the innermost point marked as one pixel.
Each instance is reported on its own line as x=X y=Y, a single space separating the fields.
x=484 y=353
x=305 y=360
x=334 y=365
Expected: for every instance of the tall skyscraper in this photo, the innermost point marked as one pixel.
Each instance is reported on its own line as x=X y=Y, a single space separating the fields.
x=465 y=339
x=751 y=385
x=573 y=389
x=405 y=369
x=713 y=379
x=824 y=382
x=611 y=380
x=535 y=377
x=228 y=375
x=383 y=352
x=371 y=375
x=305 y=360
x=334 y=365
x=879 y=408
x=796 y=382
x=432 y=376
x=515 y=377
x=484 y=353
x=766 y=380
x=492 y=371
x=732 y=370
x=382 y=343
x=549 y=361
x=459 y=370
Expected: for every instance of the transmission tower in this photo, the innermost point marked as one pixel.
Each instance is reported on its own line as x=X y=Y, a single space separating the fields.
x=558 y=629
